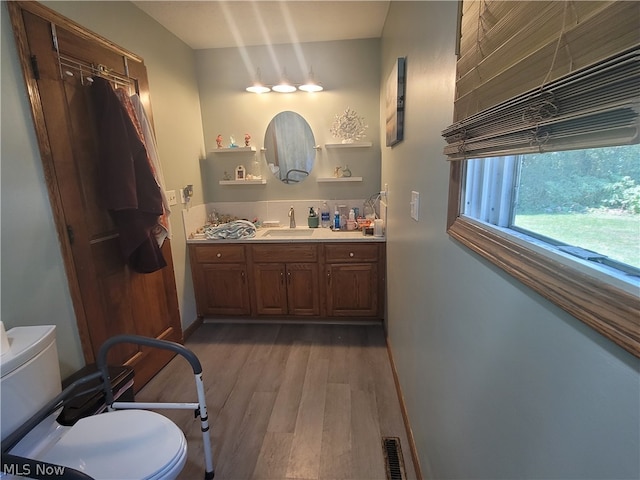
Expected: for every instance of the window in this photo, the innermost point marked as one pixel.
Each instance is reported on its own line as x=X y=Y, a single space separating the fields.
x=584 y=203
x=544 y=171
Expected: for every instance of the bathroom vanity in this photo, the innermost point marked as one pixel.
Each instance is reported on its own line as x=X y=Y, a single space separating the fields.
x=290 y=274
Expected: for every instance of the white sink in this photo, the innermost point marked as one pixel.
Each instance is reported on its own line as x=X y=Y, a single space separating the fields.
x=288 y=232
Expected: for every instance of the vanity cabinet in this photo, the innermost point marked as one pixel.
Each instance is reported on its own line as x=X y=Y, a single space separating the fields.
x=220 y=279
x=354 y=279
x=285 y=279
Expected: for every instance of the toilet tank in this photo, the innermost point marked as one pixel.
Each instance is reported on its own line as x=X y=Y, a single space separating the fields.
x=30 y=374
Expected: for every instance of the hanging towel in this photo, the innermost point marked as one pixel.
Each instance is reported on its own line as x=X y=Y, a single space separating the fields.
x=127 y=186
x=164 y=229
x=231 y=230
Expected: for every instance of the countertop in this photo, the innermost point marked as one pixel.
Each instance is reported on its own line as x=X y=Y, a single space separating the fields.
x=300 y=234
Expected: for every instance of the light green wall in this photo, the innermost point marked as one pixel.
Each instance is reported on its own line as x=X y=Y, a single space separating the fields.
x=33 y=282
x=498 y=382
x=349 y=72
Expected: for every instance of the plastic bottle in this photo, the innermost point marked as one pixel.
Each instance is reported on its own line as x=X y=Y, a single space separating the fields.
x=336 y=220
x=351 y=222
x=325 y=215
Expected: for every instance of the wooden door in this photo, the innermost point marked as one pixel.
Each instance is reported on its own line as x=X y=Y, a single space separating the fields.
x=353 y=290
x=302 y=289
x=109 y=298
x=222 y=289
x=270 y=288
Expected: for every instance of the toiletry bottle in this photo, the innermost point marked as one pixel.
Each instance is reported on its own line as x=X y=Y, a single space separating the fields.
x=313 y=218
x=325 y=215
x=336 y=220
x=351 y=222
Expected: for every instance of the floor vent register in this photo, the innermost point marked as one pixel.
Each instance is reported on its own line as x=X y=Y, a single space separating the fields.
x=394 y=463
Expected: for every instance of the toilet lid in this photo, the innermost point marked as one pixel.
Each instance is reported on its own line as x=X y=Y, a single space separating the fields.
x=122 y=445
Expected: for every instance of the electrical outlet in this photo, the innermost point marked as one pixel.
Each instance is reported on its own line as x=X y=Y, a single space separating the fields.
x=182 y=199
x=171 y=197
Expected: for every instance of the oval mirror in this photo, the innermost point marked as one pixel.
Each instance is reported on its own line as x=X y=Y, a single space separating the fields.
x=289 y=145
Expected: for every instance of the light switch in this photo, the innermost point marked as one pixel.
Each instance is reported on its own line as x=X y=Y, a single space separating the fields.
x=415 y=205
x=171 y=197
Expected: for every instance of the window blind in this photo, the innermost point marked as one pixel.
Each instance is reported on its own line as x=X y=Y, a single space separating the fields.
x=545 y=76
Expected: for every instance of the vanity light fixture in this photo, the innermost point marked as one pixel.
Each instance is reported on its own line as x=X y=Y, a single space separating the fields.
x=258 y=86
x=311 y=85
x=284 y=86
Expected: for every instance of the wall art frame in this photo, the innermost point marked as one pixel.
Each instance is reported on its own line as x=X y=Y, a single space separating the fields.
x=395 y=100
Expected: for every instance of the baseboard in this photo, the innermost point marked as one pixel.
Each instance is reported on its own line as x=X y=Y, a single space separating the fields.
x=405 y=416
x=186 y=333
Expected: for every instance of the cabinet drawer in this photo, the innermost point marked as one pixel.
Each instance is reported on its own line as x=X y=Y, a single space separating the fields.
x=290 y=252
x=350 y=252
x=219 y=253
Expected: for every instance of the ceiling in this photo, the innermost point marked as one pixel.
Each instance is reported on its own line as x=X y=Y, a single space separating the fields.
x=220 y=24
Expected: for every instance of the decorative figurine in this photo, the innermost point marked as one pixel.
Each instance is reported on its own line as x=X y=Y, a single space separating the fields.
x=349 y=126
x=219 y=141
x=233 y=142
x=247 y=140
x=337 y=173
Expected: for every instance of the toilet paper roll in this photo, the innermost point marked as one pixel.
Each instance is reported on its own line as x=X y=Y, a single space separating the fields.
x=4 y=340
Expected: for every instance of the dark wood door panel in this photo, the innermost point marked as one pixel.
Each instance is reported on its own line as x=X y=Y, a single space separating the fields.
x=302 y=289
x=224 y=289
x=353 y=290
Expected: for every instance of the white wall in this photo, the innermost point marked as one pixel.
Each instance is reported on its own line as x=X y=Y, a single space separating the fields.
x=34 y=285
x=499 y=383
x=349 y=72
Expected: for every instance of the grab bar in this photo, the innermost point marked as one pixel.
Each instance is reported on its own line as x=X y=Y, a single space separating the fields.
x=193 y=360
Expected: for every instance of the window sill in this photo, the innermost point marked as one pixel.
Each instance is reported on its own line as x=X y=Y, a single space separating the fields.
x=610 y=310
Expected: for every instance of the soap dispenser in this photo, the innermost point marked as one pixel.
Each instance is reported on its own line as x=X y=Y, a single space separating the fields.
x=313 y=219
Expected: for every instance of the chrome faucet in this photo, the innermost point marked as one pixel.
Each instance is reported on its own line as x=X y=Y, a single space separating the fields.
x=292 y=218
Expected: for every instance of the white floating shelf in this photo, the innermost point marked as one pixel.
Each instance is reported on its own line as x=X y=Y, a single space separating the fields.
x=348 y=145
x=260 y=181
x=234 y=150
x=341 y=179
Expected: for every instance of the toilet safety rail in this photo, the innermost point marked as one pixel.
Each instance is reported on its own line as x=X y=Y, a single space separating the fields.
x=10 y=461
x=199 y=408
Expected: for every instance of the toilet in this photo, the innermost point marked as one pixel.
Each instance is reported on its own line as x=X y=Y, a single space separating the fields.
x=123 y=444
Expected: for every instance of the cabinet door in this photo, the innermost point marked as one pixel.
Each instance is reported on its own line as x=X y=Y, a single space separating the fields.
x=222 y=289
x=270 y=288
x=352 y=290
x=302 y=289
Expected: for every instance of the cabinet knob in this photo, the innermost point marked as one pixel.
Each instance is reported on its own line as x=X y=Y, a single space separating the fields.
x=218 y=255
x=351 y=254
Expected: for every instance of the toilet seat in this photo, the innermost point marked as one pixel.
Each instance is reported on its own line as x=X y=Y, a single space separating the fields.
x=122 y=445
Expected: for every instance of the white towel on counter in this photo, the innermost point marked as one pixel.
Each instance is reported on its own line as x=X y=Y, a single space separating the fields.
x=231 y=230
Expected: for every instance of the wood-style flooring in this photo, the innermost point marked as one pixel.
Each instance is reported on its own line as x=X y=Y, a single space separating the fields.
x=287 y=401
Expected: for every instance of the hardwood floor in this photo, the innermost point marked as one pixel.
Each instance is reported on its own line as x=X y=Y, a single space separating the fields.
x=287 y=401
